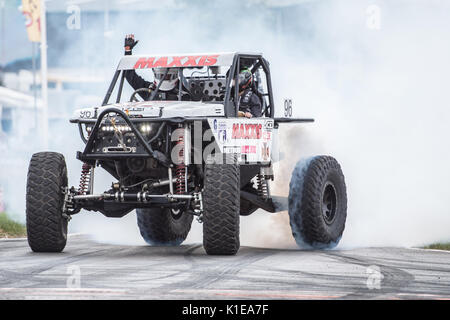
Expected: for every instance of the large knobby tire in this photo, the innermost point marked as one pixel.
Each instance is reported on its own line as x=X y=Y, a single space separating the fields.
x=159 y=227
x=317 y=203
x=47 y=179
x=221 y=204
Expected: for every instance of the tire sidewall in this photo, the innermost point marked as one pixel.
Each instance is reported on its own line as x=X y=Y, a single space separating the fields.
x=336 y=227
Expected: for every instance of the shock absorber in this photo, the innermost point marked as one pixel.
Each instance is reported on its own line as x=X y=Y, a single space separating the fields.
x=263 y=188
x=180 y=170
x=85 y=179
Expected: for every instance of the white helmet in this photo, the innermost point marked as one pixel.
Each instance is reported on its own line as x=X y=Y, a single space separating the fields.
x=170 y=80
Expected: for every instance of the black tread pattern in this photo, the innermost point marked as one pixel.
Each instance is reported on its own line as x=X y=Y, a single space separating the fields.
x=305 y=197
x=159 y=228
x=221 y=203
x=46 y=227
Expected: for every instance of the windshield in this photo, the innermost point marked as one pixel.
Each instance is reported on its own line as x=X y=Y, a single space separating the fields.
x=189 y=77
x=205 y=84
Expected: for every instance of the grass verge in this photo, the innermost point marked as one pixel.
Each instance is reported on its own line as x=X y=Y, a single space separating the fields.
x=10 y=228
x=439 y=246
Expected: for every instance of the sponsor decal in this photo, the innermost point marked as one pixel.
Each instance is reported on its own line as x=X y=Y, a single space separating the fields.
x=246 y=131
x=268 y=125
x=181 y=61
x=232 y=149
x=267 y=135
x=250 y=139
x=132 y=109
x=222 y=125
x=248 y=149
x=222 y=136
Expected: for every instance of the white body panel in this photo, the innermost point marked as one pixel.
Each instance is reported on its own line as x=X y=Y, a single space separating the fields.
x=156 y=109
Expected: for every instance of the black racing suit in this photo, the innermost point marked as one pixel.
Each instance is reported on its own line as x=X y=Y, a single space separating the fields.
x=138 y=82
x=250 y=102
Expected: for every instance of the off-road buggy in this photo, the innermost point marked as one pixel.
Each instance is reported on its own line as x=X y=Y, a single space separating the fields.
x=176 y=160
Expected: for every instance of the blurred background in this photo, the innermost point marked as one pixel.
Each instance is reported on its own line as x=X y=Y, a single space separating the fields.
x=374 y=74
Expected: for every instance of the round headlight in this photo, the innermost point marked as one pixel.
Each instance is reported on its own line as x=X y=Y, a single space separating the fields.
x=148 y=128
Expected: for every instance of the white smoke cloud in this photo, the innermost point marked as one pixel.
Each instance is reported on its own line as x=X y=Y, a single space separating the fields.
x=381 y=105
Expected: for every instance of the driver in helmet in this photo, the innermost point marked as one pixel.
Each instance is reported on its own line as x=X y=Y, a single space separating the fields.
x=168 y=77
x=249 y=103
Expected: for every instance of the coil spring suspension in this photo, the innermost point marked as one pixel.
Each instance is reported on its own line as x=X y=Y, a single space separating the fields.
x=85 y=179
x=263 y=188
x=180 y=170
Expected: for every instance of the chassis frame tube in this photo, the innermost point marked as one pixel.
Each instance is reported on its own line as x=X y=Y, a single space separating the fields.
x=111 y=88
x=123 y=195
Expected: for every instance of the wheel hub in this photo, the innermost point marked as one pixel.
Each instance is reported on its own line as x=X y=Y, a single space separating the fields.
x=329 y=201
x=176 y=213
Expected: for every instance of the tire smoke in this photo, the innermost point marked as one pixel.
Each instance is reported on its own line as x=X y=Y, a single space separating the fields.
x=381 y=107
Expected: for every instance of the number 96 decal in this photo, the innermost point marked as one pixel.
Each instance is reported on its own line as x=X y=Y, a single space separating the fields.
x=288 y=108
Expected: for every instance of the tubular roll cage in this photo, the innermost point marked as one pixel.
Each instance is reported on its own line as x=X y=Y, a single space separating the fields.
x=231 y=108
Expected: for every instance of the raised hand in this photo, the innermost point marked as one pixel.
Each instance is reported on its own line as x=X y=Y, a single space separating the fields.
x=130 y=43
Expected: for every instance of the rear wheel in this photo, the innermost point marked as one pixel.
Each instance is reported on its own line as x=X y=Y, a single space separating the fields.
x=317 y=202
x=163 y=227
x=221 y=203
x=46 y=182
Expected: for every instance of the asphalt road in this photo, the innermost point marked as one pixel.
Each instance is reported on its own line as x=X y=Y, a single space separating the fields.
x=90 y=270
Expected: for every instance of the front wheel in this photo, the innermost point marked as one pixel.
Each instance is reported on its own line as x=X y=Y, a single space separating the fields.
x=46 y=182
x=221 y=202
x=317 y=202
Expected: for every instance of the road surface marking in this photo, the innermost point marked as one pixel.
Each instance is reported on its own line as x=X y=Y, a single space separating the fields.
x=48 y=291
x=267 y=294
